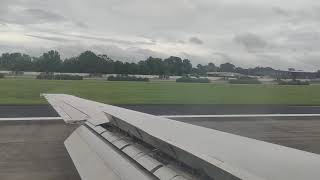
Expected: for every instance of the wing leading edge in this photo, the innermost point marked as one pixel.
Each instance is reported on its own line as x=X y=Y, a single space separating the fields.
x=170 y=149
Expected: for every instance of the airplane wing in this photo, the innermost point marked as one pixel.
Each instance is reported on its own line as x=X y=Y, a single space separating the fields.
x=117 y=143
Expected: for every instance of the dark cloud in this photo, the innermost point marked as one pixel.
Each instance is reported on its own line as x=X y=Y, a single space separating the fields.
x=133 y=54
x=43 y=16
x=32 y=16
x=196 y=59
x=56 y=35
x=281 y=11
x=12 y=48
x=299 y=16
x=250 y=41
x=50 y=38
x=110 y=40
x=195 y=40
x=81 y=24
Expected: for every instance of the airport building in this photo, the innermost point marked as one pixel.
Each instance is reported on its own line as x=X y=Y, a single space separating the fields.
x=224 y=74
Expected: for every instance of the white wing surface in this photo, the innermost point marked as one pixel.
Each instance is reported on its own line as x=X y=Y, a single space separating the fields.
x=117 y=143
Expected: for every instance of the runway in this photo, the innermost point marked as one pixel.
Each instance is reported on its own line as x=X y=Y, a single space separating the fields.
x=12 y=111
x=34 y=150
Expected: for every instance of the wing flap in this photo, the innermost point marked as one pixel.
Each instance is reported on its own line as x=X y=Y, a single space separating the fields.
x=88 y=163
x=96 y=160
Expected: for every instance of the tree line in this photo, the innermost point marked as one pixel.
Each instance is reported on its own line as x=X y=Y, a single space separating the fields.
x=89 y=62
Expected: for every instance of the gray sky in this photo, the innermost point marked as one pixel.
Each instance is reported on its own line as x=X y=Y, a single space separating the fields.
x=248 y=33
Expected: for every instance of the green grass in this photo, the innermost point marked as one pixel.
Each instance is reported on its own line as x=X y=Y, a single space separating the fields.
x=23 y=91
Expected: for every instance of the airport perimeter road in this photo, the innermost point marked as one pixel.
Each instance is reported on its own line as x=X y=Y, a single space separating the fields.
x=35 y=151
x=299 y=133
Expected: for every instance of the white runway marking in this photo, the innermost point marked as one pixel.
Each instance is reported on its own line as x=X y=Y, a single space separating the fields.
x=180 y=116
x=240 y=115
x=31 y=119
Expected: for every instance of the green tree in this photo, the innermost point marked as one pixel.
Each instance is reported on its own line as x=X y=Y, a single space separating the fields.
x=49 y=62
x=70 y=65
x=186 y=66
x=227 y=67
x=173 y=65
x=152 y=66
x=212 y=67
x=16 y=62
x=89 y=62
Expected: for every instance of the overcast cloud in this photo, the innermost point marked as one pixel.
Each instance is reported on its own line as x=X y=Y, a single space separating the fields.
x=280 y=34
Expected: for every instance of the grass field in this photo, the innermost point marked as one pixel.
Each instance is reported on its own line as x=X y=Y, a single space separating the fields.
x=22 y=91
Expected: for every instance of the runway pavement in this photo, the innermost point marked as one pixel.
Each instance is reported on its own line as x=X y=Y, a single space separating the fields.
x=13 y=111
x=210 y=109
x=47 y=111
x=34 y=150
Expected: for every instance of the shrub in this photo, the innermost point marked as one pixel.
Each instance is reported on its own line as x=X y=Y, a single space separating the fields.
x=245 y=80
x=193 y=80
x=294 y=82
x=48 y=76
x=126 y=78
x=1 y=75
x=67 y=77
x=51 y=76
x=315 y=81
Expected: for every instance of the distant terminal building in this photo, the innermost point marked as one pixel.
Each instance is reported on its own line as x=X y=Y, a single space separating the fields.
x=294 y=74
x=277 y=74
